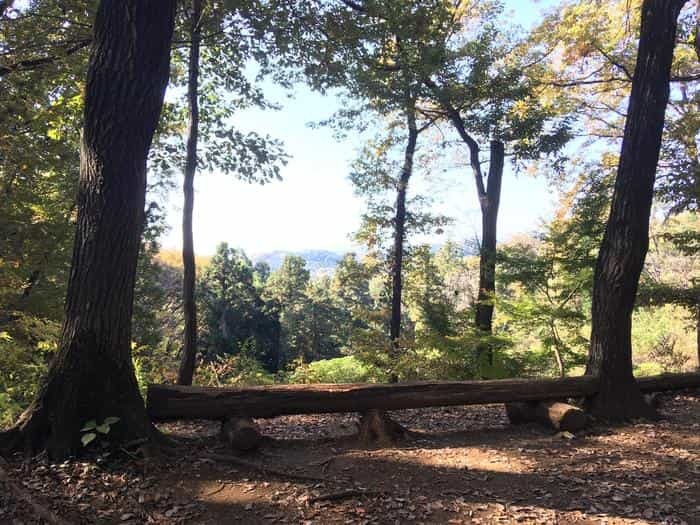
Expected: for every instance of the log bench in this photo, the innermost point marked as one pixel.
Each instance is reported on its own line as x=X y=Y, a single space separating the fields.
x=542 y=398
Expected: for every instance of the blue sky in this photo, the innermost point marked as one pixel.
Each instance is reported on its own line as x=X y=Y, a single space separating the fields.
x=313 y=207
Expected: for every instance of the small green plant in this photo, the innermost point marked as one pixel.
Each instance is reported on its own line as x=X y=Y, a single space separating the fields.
x=92 y=429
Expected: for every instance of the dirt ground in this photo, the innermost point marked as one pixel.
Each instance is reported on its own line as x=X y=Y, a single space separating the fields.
x=460 y=465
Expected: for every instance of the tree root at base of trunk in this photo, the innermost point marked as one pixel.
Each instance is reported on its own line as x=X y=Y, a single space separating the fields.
x=31 y=436
x=344 y=494
x=262 y=469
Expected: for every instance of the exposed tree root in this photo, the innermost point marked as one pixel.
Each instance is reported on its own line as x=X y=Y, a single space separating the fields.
x=285 y=474
x=32 y=436
x=39 y=510
x=344 y=494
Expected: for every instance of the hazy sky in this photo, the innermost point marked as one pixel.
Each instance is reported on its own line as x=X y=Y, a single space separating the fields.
x=313 y=207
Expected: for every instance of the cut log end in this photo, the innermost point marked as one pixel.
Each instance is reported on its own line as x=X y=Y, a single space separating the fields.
x=376 y=428
x=555 y=414
x=241 y=433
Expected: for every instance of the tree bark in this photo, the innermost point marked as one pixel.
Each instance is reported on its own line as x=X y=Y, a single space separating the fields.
x=490 y=200
x=697 y=332
x=626 y=238
x=92 y=376
x=189 y=306
x=556 y=348
x=489 y=229
x=400 y=230
x=697 y=28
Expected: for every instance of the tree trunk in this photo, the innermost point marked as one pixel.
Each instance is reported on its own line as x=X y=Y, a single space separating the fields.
x=490 y=201
x=626 y=238
x=400 y=230
x=697 y=28
x=556 y=348
x=697 y=332
x=189 y=306
x=92 y=376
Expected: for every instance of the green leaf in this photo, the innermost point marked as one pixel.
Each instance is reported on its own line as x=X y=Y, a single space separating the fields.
x=90 y=425
x=88 y=438
x=103 y=429
x=111 y=420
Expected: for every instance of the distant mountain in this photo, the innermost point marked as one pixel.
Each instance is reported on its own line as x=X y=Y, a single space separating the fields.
x=318 y=262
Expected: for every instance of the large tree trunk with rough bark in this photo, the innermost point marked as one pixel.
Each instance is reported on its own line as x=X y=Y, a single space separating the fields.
x=400 y=229
x=626 y=238
x=189 y=306
x=91 y=376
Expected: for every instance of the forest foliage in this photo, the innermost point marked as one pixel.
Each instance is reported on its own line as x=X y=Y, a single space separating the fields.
x=555 y=96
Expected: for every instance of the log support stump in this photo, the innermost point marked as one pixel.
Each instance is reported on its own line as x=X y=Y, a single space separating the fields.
x=554 y=414
x=241 y=433
x=653 y=399
x=376 y=428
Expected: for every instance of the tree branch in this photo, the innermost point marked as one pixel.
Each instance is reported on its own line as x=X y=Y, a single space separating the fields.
x=24 y=65
x=458 y=124
x=356 y=6
x=614 y=62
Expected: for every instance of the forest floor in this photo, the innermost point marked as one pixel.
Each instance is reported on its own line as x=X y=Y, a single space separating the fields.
x=461 y=465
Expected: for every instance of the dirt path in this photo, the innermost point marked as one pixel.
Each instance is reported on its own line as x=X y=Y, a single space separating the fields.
x=462 y=465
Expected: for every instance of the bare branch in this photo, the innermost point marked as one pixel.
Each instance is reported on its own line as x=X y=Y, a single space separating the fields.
x=459 y=125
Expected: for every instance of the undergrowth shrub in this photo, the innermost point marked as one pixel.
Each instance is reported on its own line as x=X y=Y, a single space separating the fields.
x=26 y=346
x=338 y=370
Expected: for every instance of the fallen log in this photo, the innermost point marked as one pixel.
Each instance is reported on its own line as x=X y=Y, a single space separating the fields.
x=665 y=382
x=183 y=402
x=241 y=433
x=196 y=402
x=555 y=414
